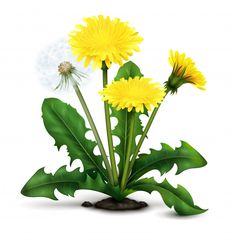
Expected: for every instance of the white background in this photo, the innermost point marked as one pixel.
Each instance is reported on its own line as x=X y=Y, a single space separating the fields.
x=202 y=29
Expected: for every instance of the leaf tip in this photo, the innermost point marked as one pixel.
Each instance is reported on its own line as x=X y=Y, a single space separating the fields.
x=22 y=191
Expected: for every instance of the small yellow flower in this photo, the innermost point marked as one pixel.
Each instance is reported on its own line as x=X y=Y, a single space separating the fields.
x=103 y=39
x=134 y=93
x=184 y=71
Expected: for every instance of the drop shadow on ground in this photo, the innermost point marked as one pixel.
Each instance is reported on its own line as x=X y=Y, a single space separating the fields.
x=48 y=205
x=171 y=214
x=157 y=209
x=77 y=204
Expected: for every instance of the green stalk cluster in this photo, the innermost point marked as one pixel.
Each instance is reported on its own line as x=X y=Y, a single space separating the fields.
x=111 y=166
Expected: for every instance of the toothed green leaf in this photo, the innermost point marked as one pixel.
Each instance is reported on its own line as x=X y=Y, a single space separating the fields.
x=185 y=157
x=129 y=69
x=179 y=197
x=42 y=184
x=68 y=128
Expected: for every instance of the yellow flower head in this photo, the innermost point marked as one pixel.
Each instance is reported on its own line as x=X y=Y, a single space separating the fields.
x=134 y=93
x=184 y=71
x=103 y=39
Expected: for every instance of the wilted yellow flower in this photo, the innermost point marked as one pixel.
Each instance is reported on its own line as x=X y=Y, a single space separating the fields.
x=134 y=93
x=184 y=71
x=103 y=39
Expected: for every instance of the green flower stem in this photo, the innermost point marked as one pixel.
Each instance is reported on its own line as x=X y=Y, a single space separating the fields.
x=128 y=153
x=95 y=132
x=143 y=136
x=108 y=128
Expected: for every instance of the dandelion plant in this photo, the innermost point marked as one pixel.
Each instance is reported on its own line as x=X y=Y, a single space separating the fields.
x=104 y=42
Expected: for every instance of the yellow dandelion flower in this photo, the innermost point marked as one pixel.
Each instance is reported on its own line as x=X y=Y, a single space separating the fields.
x=184 y=71
x=103 y=39
x=134 y=93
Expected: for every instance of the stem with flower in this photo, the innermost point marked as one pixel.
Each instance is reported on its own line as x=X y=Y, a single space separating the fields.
x=70 y=75
x=144 y=135
x=108 y=128
x=95 y=132
x=130 y=162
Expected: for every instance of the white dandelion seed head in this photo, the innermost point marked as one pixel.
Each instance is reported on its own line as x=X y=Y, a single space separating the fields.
x=51 y=57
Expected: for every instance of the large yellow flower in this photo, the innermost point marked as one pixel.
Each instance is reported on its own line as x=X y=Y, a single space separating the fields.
x=184 y=71
x=134 y=93
x=103 y=39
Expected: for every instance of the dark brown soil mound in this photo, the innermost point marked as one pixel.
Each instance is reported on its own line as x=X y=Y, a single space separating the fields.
x=125 y=204
x=87 y=204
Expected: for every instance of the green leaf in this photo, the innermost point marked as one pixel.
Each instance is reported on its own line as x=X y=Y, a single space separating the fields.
x=185 y=157
x=121 y=130
x=42 y=184
x=129 y=69
x=68 y=128
x=179 y=197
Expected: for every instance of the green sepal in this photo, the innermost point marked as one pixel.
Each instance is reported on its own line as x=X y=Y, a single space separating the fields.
x=42 y=184
x=68 y=128
x=179 y=197
x=175 y=82
x=185 y=157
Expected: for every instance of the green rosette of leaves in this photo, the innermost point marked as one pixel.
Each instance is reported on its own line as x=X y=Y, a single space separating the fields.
x=104 y=42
